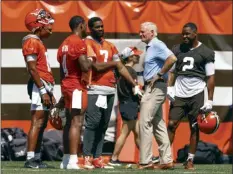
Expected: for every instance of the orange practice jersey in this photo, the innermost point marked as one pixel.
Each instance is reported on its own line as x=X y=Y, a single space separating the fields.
x=68 y=54
x=104 y=52
x=34 y=46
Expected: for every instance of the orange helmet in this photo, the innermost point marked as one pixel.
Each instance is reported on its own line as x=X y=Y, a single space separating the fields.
x=208 y=123
x=38 y=18
x=57 y=118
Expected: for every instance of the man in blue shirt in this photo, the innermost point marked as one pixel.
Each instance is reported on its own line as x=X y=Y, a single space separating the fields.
x=158 y=61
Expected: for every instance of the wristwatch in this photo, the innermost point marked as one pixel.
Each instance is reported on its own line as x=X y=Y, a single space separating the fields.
x=159 y=74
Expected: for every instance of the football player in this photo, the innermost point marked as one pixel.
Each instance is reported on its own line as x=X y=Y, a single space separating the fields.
x=72 y=56
x=194 y=70
x=100 y=94
x=41 y=82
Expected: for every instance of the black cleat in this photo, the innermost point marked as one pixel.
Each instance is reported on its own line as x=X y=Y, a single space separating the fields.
x=32 y=163
x=44 y=165
x=114 y=163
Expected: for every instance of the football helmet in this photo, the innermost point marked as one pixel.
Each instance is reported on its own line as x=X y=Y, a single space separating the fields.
x=57 y=118
x=38 y=18
x=208 y=123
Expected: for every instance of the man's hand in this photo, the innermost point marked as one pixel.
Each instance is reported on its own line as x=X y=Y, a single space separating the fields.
x=153 y=81
x=171 y=93
x=207 y=107
x=45 y=97
x=116 y=57
x=46 y=100
x=137 y=91
x=53 y=100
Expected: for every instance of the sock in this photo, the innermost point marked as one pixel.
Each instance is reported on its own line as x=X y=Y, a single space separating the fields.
x=30 y=155
x=37 y=155
x=190 y=156
x=66 y=157
x=73 y=159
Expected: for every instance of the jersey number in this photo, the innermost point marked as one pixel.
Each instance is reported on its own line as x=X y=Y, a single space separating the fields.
x=64 y=50
x=105 y=53
x=191 y=63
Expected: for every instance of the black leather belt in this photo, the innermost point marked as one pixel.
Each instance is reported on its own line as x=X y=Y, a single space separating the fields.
x=159 y=80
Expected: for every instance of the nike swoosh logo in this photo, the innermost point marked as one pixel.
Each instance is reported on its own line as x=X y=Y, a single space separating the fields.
x=37 y=167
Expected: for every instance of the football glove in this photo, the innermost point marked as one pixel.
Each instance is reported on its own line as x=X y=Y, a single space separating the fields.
x=207 y=107
x=171 y=93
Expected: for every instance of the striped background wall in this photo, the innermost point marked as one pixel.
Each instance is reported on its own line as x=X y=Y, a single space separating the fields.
x=122 y=20
x=14 y=75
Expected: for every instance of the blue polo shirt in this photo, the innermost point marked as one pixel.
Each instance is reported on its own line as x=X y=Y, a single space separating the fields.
x=156 y=54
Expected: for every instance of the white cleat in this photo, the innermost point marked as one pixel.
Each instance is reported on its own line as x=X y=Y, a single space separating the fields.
x=73 y=166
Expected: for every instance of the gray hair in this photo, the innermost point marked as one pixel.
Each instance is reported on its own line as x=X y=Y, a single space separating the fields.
x=150 y=26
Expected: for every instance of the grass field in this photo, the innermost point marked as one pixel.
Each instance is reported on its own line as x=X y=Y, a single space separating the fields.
x=8 y=167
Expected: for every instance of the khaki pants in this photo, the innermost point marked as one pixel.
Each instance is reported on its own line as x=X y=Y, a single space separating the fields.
x=152 y=122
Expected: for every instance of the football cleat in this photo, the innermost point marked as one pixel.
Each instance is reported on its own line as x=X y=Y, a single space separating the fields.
x=38 y=18
x=208 y=123
x=57 y=118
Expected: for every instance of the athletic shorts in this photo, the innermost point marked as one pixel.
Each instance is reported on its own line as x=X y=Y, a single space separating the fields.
x=186 y=107
x=75 y=98
x=34 y=95
x=129 y=110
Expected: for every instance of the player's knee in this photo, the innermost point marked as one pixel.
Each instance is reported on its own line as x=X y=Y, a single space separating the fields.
x=172 y=125
x=76 y=122
x=38 y=123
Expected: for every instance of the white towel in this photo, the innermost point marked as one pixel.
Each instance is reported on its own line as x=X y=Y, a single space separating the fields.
x=102 y=101
x=77 y=99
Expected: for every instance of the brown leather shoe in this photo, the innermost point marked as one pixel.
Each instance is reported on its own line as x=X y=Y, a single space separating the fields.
x=150 y=165
x=169 y=166
x=189 y=165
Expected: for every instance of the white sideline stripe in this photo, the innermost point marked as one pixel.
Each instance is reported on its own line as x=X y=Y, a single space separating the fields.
x=18 y=94
x=13 y=57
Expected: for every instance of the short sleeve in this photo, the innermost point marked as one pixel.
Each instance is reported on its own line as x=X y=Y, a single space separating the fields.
x=76 y=49
x=114 y=50
x=30 y=47
x=59 y=54
x=175 y=49
x=210 y=57
x=90 y=51
x=162 y=51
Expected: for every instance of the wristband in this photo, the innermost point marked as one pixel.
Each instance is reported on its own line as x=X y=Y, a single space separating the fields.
x=42 y=90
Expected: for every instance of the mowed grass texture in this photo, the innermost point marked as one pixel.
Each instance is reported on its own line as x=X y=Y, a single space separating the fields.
x=9 y=167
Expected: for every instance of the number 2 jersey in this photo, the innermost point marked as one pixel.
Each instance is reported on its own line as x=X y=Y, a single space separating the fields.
x=190 y=69
x=32 y=45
